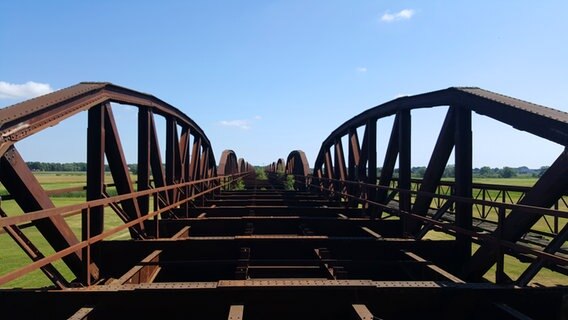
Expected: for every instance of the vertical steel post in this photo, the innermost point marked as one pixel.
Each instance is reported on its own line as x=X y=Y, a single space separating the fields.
x=143 y=157
x=372 y=164
x=92 y=220
x=171 y=146
x=404 y=131
x=463 y=185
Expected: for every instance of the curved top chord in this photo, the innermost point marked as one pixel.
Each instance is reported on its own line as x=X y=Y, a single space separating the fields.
x=230 y=165
x=297 y=163
x=413 y=203
x=26 y=118
x=539 y=120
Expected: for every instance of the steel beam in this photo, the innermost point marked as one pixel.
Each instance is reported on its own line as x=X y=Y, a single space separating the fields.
x=158 y=174
x=119 y=169
x=195 y=156
x=546 y=191
x=236 y=312
x=371 y=152
x=183 y=174
x=20 y=182
x=463 y=185
x=554 y=245
x=33 y=253
x=436 y=167
x=329 y=169
x=144 y=148
x=92 y=220
x=362 y=172
x=362 y=312
x=172 y=157
x=389 y=162
x=354 y=161
x=354 y=156
x=404 y=164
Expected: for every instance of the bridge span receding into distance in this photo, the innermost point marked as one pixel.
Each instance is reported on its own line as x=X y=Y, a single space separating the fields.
x=332 y=239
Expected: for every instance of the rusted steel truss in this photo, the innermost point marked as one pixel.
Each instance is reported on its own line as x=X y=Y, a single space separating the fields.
x=189 y=157
x=398 y=197
x=343 y=242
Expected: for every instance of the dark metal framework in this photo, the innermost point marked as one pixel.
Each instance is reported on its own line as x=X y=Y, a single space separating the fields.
x=189 y=159
x=346 y=243
x=228 y=164
x=358 y=182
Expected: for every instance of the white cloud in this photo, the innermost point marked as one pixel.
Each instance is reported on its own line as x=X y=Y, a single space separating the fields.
x=241 y=124
x=27 y=90
x=361 y=69
x=401 y=15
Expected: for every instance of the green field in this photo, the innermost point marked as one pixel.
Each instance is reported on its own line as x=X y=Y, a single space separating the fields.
x=12 y=257
x=521 y=182
x=513 y=267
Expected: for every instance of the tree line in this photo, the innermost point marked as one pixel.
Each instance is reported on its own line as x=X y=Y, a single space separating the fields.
x=417 y=172
x=69 y=167
x=486 y=172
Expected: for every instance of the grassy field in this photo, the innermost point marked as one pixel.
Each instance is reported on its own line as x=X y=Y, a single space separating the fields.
x=12 y=257
x=513 y=267
x=521 y=182
x=545 y=224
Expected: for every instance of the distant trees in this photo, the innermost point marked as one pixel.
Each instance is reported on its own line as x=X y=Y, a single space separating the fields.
x=542 y=170
x=416 y=172
x=507 y=172
x=69 y=167
x=483 y=172
x=55 y=166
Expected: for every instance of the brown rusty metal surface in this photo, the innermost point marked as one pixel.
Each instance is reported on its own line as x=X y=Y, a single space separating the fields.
x=342 y=242
x=23 y=119
x=517 y=103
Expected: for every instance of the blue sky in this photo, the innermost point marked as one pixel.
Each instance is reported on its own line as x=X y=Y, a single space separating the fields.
x=267 y=77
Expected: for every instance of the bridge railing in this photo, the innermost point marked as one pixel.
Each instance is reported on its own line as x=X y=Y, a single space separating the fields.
x=343 y=156
x=190 y=194
x=545 y=251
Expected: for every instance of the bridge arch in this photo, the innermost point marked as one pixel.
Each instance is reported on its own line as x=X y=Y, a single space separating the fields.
x=297 y=163
x=332 y=169
x=188 y=157
x=228 y=163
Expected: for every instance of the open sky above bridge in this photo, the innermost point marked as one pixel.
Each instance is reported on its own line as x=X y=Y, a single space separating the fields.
x=267 y=77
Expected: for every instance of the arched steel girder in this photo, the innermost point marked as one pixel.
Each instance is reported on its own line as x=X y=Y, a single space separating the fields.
x=539 y=120
x=280 y=165
x=297 y=163
x=242 y=165
x=272 y=167
x=228 y=163
x=189 y=157
x=26 y=118
x=455 y=134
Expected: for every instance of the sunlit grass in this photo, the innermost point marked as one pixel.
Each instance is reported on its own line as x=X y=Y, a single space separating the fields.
x=513 y=267
x=13 y=257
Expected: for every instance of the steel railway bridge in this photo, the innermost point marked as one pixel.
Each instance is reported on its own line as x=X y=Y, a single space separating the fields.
x=212 y=240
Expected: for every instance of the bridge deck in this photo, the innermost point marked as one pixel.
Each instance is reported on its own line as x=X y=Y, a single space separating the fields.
x=264 y=252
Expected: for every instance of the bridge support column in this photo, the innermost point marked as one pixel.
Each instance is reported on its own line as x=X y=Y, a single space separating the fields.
x=404 y=127
x=463 y=170
x=92 y=220
x=144 y=147
x=372 y=158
